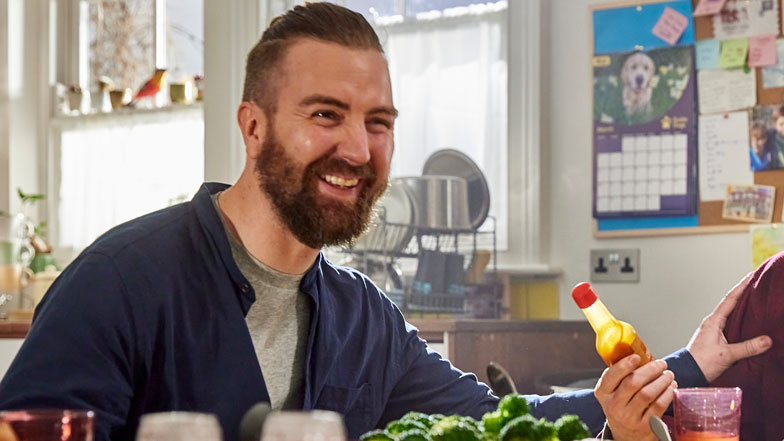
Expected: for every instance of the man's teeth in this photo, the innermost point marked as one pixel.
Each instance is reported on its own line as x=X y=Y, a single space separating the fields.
x=340 y=182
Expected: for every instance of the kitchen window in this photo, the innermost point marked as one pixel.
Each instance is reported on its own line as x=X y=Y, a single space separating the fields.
x=108 y=165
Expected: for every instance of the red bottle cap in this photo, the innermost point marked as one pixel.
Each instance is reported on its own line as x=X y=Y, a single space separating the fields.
x=584 y=295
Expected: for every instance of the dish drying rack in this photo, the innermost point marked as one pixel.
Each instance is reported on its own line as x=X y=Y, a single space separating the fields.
x=455 y=268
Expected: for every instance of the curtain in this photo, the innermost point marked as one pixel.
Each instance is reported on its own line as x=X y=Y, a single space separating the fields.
x=116 y=171
x=449 y=81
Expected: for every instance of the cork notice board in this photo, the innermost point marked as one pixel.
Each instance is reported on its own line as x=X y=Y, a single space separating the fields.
x=709 y=214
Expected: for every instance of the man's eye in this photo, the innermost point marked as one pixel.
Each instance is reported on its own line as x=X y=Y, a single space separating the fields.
x=327 y=114
x=381 y=122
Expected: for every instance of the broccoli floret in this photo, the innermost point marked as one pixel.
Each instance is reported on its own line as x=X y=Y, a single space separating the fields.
x=414 y=435
x=434 y=418
x=522 y=428
x=376 y=435
x=570 y=428
x=399 y=426
x=455 y=428
x=471 y=422
x=492 y=422
x=546 y=431
x=418 y=416
x=513 y=406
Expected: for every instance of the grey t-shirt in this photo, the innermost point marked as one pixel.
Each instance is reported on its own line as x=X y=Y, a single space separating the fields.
x=278 y=322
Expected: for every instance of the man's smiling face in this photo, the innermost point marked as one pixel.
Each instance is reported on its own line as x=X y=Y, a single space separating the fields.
x=328 y=146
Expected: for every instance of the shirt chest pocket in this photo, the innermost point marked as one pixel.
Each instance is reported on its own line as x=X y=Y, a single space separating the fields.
x=354 y=403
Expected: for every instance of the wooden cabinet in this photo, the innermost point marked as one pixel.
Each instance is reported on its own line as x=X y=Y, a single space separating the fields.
x=527 y=349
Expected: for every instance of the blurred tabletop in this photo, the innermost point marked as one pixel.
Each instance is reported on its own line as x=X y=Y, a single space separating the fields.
x=14 y=328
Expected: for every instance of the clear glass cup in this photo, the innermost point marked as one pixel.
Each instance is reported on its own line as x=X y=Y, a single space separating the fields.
x=707 y=414
x=317 y=425
x=46 y=425
x=179 y=426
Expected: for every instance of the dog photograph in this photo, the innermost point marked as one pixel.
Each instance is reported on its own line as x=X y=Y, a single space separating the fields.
x=637 y=73
x=639 y=87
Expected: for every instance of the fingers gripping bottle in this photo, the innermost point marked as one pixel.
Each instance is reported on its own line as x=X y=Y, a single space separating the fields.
x=614 y=339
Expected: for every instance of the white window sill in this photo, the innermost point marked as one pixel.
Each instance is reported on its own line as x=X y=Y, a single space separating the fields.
x=127 y=116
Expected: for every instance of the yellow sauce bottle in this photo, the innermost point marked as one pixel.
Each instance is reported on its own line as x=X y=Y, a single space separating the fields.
x=614 y=339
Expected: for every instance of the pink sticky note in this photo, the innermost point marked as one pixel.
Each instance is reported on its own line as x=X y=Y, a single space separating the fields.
x=708 y=7
x=670 y=26
x=762 y=50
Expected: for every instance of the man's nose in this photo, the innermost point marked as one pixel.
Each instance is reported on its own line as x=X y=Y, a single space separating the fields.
x=355 y=147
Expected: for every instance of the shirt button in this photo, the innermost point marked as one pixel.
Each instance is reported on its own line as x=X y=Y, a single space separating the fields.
x=245 y=288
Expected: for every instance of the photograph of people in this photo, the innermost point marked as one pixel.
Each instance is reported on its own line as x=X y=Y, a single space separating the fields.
x=775 y=143
x=758 y=153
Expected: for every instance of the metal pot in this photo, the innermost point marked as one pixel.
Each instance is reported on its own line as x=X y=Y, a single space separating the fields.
x=441 y=202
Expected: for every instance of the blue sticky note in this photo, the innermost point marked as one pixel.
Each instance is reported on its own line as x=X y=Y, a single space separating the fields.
x=708 y=54
x=626 y=29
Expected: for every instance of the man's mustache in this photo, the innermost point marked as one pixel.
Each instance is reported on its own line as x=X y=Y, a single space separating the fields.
x=338 y=166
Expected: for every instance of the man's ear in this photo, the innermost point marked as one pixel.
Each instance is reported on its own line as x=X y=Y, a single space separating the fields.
x=253 y=123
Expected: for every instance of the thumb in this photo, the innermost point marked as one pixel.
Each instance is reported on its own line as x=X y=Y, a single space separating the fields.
x=750 y=347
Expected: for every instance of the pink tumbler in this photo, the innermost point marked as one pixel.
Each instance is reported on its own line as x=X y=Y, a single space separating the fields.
x=707 y=414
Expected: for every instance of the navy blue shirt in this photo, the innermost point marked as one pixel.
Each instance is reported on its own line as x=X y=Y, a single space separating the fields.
x=151 y=317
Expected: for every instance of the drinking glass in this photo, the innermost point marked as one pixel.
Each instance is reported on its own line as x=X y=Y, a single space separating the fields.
x=317 y=425
x=179 y=426
x=46 y=425
x=707 y=414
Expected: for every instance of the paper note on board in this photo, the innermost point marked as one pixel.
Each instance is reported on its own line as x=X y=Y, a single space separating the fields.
x=733 y=53
x=726 y=90
x=766 y=241
x=723 y=143
x=708 y=54
x=670 y=26
x=762 y=50
x=745 y=18
x=773 y=76
x=708 y=7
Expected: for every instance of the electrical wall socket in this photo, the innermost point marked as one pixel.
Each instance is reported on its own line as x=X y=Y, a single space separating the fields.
x=615 y=265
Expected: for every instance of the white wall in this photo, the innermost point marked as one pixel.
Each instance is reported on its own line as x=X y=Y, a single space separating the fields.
x=682 y=277
x=23 y=98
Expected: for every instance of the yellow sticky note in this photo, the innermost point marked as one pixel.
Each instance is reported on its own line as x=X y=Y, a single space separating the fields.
x=733 y=53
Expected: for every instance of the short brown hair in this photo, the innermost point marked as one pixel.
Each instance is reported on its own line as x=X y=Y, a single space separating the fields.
x=759 y=131
x=321 y=21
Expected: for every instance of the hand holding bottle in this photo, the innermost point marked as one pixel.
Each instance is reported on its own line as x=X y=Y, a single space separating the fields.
x=630 y=394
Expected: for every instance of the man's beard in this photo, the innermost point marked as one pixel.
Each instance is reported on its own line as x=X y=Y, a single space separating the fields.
x=315 y=219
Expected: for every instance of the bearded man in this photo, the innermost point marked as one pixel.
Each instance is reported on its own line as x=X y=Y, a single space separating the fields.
x=226 y=301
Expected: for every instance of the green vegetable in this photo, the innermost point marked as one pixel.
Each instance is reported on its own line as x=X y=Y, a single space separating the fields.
x=418 y=416
x=455 y=428
x=522 y=428
x=546 y=431
x=513 y=406
x=399 y=426
x=376 y=435
x=414 y=435
x=570 y=428
x=436 y=417
x=492 y=422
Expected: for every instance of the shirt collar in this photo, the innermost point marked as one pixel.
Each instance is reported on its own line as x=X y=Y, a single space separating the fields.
x=210 y=221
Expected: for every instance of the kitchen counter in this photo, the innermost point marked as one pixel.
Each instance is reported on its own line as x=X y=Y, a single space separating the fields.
x=528 y=349
x=14 y=328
